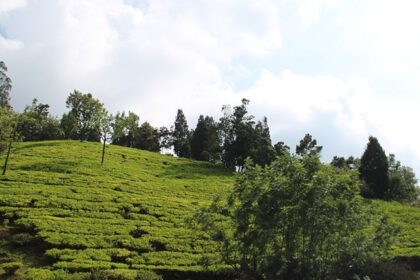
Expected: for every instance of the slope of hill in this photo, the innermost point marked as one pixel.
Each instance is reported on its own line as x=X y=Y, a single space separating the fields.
x=59 y=209
x=129 y=214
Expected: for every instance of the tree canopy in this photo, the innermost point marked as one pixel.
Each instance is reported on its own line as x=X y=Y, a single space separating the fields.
x=285 y=221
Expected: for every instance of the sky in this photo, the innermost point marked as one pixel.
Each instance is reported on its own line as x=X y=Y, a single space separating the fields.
x=341 y=70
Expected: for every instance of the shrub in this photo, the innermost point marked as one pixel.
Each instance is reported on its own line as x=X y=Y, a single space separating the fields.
x=11 y=267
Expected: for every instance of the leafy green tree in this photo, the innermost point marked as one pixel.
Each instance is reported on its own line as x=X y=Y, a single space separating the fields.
x=165 y=138
x=205 y=142
x=181 y=136
x=280 y=148
x=345 y=163
x=36 y=123
x=5 y=87
x=125 y=127
x=402 y=181
x=6 y=127
x=243 y=138
x=374 y=170
x=308 y=146
x=147 y=138
x=280 y=222
x=82 y=121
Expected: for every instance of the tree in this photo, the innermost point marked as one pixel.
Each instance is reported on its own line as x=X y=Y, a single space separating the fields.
x=280 y=148
x=205 y=142
x=36 y=123
x=11 y=129
x=6 y=124
x=243 y=138
x=181 y=136
x=165 y=138
x=402 y=181
x=125 y=127
x=349 y=163
x=82 y=121
x=278 y=222
x=105 y=126
x=308 y=146
x=147 y=138
x=5 y=87
x=374 y=170
x=263 y=152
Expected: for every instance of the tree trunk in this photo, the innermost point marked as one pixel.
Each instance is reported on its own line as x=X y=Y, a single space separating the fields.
x=7 y=158
x=103 y=151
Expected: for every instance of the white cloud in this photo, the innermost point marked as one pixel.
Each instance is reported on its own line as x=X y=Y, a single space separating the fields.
x=8 y=44
x=9 y=5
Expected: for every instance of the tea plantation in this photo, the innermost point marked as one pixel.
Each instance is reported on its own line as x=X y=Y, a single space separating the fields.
x=62 y=213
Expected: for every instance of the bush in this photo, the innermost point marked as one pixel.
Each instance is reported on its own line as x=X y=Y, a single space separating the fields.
x=11 y=267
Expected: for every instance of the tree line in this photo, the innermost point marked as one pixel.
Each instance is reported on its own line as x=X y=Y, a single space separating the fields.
x=229 y=141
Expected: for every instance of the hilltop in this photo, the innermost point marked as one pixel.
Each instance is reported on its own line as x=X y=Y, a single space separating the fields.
x=61 y=210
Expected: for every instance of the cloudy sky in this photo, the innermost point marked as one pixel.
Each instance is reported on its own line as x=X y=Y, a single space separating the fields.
x=339 y=69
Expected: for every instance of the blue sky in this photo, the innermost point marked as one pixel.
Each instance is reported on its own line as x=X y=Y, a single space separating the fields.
x=339 y=69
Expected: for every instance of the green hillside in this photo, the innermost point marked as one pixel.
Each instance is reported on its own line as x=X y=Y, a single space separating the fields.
x=59 y=209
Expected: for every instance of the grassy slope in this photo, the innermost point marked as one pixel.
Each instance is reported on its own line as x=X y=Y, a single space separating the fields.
x=128 y=214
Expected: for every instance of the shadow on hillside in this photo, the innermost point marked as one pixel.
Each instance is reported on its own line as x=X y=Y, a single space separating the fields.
x=51 y=143
x=52 y=166
x=192 y=170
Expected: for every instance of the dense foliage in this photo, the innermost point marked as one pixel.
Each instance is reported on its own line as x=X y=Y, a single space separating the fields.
x=374 y=170
x=296 y=219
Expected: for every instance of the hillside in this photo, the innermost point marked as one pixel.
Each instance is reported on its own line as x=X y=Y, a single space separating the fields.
x=59 y=209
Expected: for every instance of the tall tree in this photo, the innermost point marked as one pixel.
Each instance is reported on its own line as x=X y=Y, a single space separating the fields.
x=374 y=170
x=82 y=121
x=147 y=138
x=181 y=136
x=243 y=138
x=5 y=87
x=205 y=142
x=105 y=128
x=263 y=151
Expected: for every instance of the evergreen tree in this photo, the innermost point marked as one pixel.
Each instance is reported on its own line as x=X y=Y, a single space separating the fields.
x=181 y=136
x=264 y=152
x=205 y=142
x=5 y=87
x=374 y=170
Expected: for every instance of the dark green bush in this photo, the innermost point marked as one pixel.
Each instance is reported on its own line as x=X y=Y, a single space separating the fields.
x=11 y=267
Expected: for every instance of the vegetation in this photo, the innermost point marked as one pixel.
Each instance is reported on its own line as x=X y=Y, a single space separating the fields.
x=297 y=219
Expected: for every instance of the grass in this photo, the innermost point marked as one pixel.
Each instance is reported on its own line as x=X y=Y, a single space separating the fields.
x=61 y=211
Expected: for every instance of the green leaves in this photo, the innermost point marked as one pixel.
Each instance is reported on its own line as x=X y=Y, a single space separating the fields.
x=296 y=218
